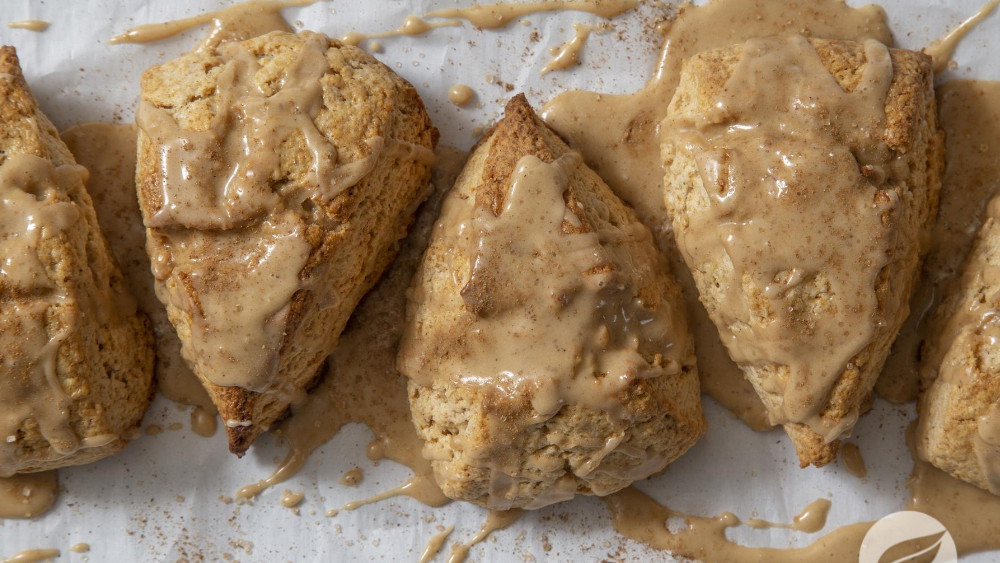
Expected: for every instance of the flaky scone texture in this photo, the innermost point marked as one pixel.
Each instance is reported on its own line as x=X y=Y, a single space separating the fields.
x=471 y=430
x=353 y=236
x=915 y=146
x=961 y=370
x=104 y=363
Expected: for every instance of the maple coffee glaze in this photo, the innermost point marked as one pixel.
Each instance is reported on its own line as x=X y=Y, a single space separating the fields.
x=554 y=331
x=541 y=304
x=568 y=54
x=107 y=151
x=970 y=514
x=232 y=198
x=959 y=429
x=33 y=209
x=253 y=299
x=361 y=384
x=970 y=118
x=38 y=315
x=797 y=215
x=239 y=21
x=40 y=312
x=625 y=149
x=499 y=14
x=75 y=357
x=983 y=320
x=30 y=25
x=26 y=495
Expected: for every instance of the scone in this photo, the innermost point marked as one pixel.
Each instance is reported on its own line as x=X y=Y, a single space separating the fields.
x=959 y=409
x=545 y=342
x=76 y=359
x=800 y=177
x=107 y=150
x=276 y=177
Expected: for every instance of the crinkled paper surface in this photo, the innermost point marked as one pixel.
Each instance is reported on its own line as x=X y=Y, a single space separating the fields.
x=159 y=500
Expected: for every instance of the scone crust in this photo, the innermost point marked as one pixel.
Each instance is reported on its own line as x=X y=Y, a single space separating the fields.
x=952 y=403
x=105 y=364
x=353 y=237
x=913 y=137
x=663 y=414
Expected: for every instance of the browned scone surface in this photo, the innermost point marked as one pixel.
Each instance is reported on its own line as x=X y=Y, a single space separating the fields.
x=88 y=387
x=909 y=147
x=367 y=116
x=961 y=369
x=488 y=443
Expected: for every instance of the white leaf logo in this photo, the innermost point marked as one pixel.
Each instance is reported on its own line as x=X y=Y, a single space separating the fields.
x=917 y=550
x=908 y=537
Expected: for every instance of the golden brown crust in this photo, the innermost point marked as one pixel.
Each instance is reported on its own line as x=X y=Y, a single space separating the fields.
x=662 y=415
x=353 y=237
x=962 y=376
x=105 y=364
x=911 y=134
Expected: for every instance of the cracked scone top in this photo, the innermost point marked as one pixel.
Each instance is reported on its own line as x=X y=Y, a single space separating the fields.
x=76 y=358
x=546 y=345
x=800 y=177
x=276 y=176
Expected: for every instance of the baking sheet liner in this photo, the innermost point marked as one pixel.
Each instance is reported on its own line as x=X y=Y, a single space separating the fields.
x=159 y=499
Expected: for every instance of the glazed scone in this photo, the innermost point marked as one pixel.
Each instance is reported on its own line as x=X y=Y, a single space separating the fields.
x=800 y=177
x=276 y=177
x=545 y=342
x=959 y=408
x=76 y=358
x=107 y=151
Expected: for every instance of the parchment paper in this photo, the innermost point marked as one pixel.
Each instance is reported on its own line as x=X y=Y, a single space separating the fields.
x=159 y=499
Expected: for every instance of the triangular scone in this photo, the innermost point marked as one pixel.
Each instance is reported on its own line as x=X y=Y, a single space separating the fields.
x=276 y=177
x=545 y=340
x=959 y=409
x=76 y=358
x=801 y=175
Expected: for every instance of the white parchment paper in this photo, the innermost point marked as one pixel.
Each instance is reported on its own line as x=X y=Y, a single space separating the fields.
x=159 y=500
